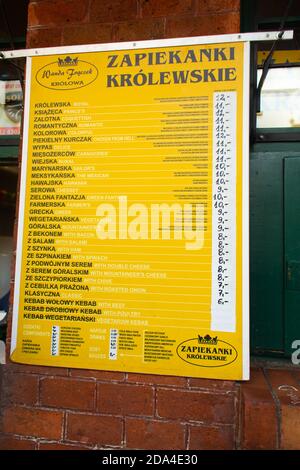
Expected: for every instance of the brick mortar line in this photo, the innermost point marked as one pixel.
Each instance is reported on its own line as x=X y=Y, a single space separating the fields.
x=139 y=9
x=37 y=440
x=67 y=378
x=19 y=437
x=212 y=392
x=277 y=408
x=121 y=417
x=27 y=437
x=124 y=434
x=76 y=411
x=187 y=436
x=164 y=26
x=41 y=440
x=155 y=402
x=88 y=16
x=173 y=388
x=64 y=442
x=96 y=397
x=125 y=381
x=64 y=426
x=152 y=384
x=238 y=422
x=183 y=422
x=94 y=380
x=39 y=379
x=162 y=18
x=198 y=15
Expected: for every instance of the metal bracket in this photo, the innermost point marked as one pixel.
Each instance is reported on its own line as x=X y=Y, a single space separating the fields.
x=266 y=68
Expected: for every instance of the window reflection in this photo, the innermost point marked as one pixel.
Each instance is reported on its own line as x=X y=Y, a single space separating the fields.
x=10 y=107
x=280 y=98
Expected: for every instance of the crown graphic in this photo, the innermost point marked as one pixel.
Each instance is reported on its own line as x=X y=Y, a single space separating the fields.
x=207 y=339
x=67 y=61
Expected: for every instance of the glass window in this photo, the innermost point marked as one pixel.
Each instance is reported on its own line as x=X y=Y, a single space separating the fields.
x=10 y=107
x=280 y=98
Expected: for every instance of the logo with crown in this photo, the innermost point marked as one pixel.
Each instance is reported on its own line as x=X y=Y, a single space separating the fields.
x=207 y=339
x=67 y=61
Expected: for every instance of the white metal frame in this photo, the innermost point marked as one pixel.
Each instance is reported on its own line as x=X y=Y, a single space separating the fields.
x=118 y=46
x=245 y=218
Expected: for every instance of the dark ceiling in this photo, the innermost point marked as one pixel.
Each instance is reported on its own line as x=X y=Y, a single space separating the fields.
x=13 y=22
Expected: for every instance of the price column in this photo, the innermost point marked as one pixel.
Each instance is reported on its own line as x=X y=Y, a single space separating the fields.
x=223 y=314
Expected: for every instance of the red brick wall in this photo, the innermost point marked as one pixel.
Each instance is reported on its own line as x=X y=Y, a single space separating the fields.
x=55 y=408
x=58 y=408
x=66 y=22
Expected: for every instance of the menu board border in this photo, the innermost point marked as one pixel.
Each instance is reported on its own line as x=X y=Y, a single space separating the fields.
x=245 y=167
x=245 y=215
x=21 y=207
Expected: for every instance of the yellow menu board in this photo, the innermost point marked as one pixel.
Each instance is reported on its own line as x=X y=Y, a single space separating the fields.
x=132 y=249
